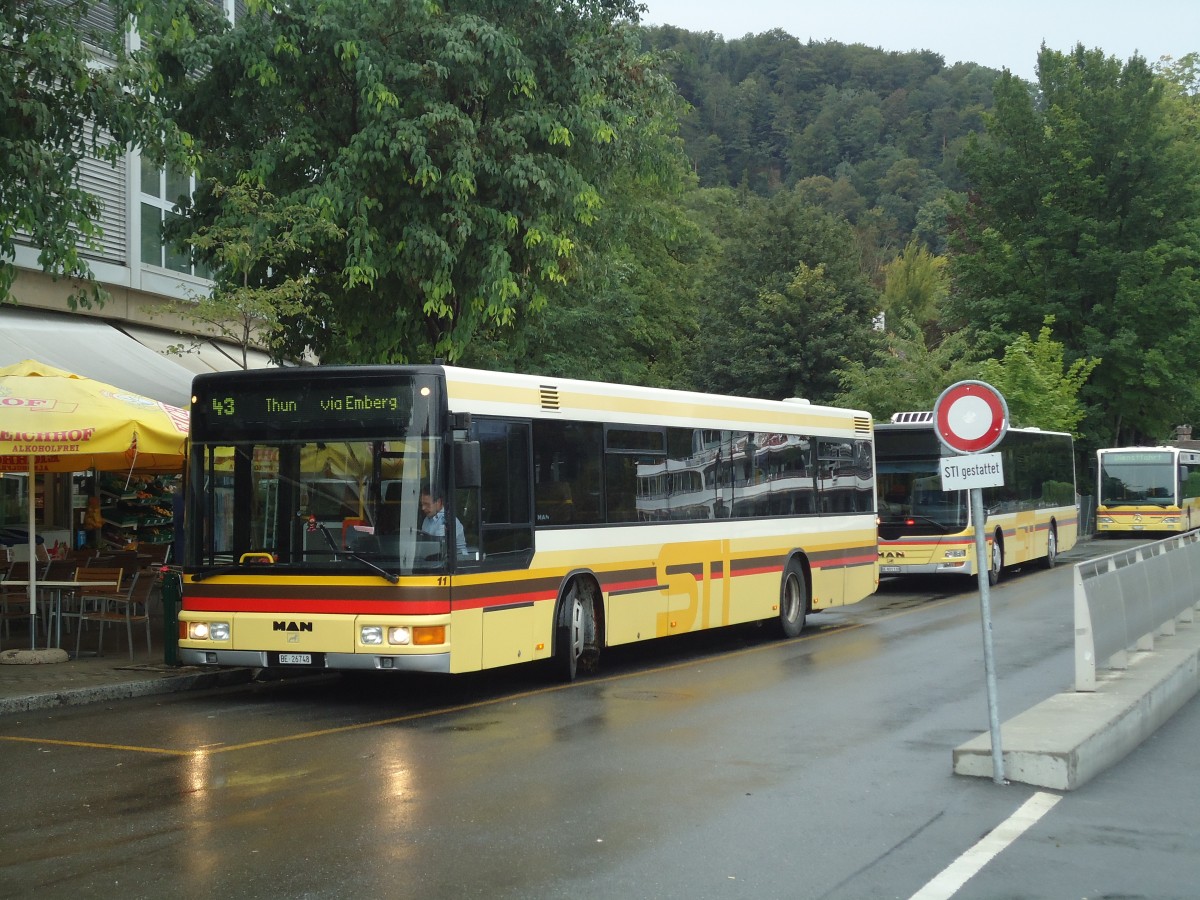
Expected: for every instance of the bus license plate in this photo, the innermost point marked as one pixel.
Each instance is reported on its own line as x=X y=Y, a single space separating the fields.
x=889 y=570
x=295 y=659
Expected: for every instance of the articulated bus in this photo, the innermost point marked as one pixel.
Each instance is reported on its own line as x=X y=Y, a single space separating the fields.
x=1147 y=489
x=582 y=516
x=926 y=530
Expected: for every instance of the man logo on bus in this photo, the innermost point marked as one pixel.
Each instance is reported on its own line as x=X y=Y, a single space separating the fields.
x=292 y=626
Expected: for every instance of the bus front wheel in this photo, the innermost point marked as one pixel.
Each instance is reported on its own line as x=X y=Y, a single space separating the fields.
x=793 y=600
x=995 y=560
x=575 y=643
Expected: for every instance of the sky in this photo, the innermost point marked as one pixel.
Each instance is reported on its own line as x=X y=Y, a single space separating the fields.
x=1005 y=34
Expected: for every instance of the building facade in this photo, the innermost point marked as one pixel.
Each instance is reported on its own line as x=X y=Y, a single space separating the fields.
x=131 y=341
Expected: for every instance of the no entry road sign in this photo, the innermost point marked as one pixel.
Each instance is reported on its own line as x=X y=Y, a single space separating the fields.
x=970 y=417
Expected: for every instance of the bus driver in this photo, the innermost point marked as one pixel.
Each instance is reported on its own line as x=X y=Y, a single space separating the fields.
x=434 y=523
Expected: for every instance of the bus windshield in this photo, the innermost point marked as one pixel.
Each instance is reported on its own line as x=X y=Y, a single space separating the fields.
x=913 y=502
x=1143 y=478
x=319 y=474
x=319 y=504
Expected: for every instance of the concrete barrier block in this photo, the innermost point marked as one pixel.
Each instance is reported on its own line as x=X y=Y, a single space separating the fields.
x=1068 y=739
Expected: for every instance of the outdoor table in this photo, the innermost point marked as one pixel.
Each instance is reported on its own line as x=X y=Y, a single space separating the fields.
x=57 y=588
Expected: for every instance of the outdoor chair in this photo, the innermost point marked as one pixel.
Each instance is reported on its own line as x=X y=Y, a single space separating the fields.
x=14 y=600
x=50 y=603
x=104 y=604
x=81 y=556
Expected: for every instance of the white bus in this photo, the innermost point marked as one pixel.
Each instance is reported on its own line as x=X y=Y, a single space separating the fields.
x=926 y=530
x=1147 y=489
x=591 y=515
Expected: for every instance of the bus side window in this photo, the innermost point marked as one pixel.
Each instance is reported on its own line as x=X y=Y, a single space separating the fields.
x=566 y=472
x=620 y=488
x=553 y=502
x=505 y=516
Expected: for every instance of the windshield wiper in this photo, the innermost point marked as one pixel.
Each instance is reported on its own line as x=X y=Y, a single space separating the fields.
x=220 y=570
x=391 y=577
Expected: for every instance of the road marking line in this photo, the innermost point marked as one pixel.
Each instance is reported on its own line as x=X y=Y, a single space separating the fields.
x=947 y=882
x=93 y=745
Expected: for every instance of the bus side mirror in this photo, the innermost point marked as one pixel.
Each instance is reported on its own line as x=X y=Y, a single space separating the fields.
x=466 y=464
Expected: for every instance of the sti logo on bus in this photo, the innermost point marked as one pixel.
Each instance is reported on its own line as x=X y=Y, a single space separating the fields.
x=292 y=626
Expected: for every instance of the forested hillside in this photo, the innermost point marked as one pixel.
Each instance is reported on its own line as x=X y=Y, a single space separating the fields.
x=870 y=135
x=1049 y=244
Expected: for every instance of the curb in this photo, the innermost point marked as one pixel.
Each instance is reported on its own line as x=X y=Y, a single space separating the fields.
x=1070 y=738
x=195 y=679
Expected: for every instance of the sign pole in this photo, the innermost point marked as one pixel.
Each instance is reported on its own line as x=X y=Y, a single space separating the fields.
x=970 y=418
x=985 y=615
x=33 y=560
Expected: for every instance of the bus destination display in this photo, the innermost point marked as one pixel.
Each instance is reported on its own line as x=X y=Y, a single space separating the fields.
x=1151 y=457
x=313 y=404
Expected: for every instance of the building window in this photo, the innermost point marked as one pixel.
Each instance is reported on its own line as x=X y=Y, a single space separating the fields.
x=162 y=193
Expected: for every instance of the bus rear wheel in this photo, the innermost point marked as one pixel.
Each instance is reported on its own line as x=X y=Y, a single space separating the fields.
x=995 y=559
x=576 y=648
x=793 y=600
x=1052 y=547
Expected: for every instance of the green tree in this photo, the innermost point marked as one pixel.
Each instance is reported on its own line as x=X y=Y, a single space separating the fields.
x=1041 y=390
x=464 y=149
x=775 y=349
x=915 y=284
x=1084 y=205
x=907 y=374
x=1183 y=75
x=639 y=294
x=69 y=89
x=785 y=301
x=252 y=234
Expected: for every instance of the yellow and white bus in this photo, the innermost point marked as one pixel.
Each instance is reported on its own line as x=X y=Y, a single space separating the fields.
x=1147 y=489
x=925 y=530
x=583 y=515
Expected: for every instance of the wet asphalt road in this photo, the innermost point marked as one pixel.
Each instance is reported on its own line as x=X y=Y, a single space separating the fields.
x=725 y=765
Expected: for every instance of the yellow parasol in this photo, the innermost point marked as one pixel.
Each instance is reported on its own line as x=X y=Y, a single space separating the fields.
x=60 y=422
x=55 y=421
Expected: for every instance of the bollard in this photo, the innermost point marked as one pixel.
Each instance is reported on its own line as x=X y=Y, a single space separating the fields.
x=172 y=599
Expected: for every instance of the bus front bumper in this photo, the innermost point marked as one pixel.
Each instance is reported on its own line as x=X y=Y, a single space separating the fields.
x=952 y=567
x=355 y=662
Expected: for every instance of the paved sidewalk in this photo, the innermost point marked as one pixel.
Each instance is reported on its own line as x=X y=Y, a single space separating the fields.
x=91 y=678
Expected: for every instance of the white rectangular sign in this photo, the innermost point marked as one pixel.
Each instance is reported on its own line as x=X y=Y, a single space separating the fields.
x=978 y=470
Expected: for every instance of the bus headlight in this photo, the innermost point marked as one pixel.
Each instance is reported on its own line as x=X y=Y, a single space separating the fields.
x=208 y=631
x=401 y=635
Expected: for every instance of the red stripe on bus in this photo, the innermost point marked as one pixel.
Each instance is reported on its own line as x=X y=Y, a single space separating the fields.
x=643 y=584
x=504 y=600
x=756 y=570
x=284 y=605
